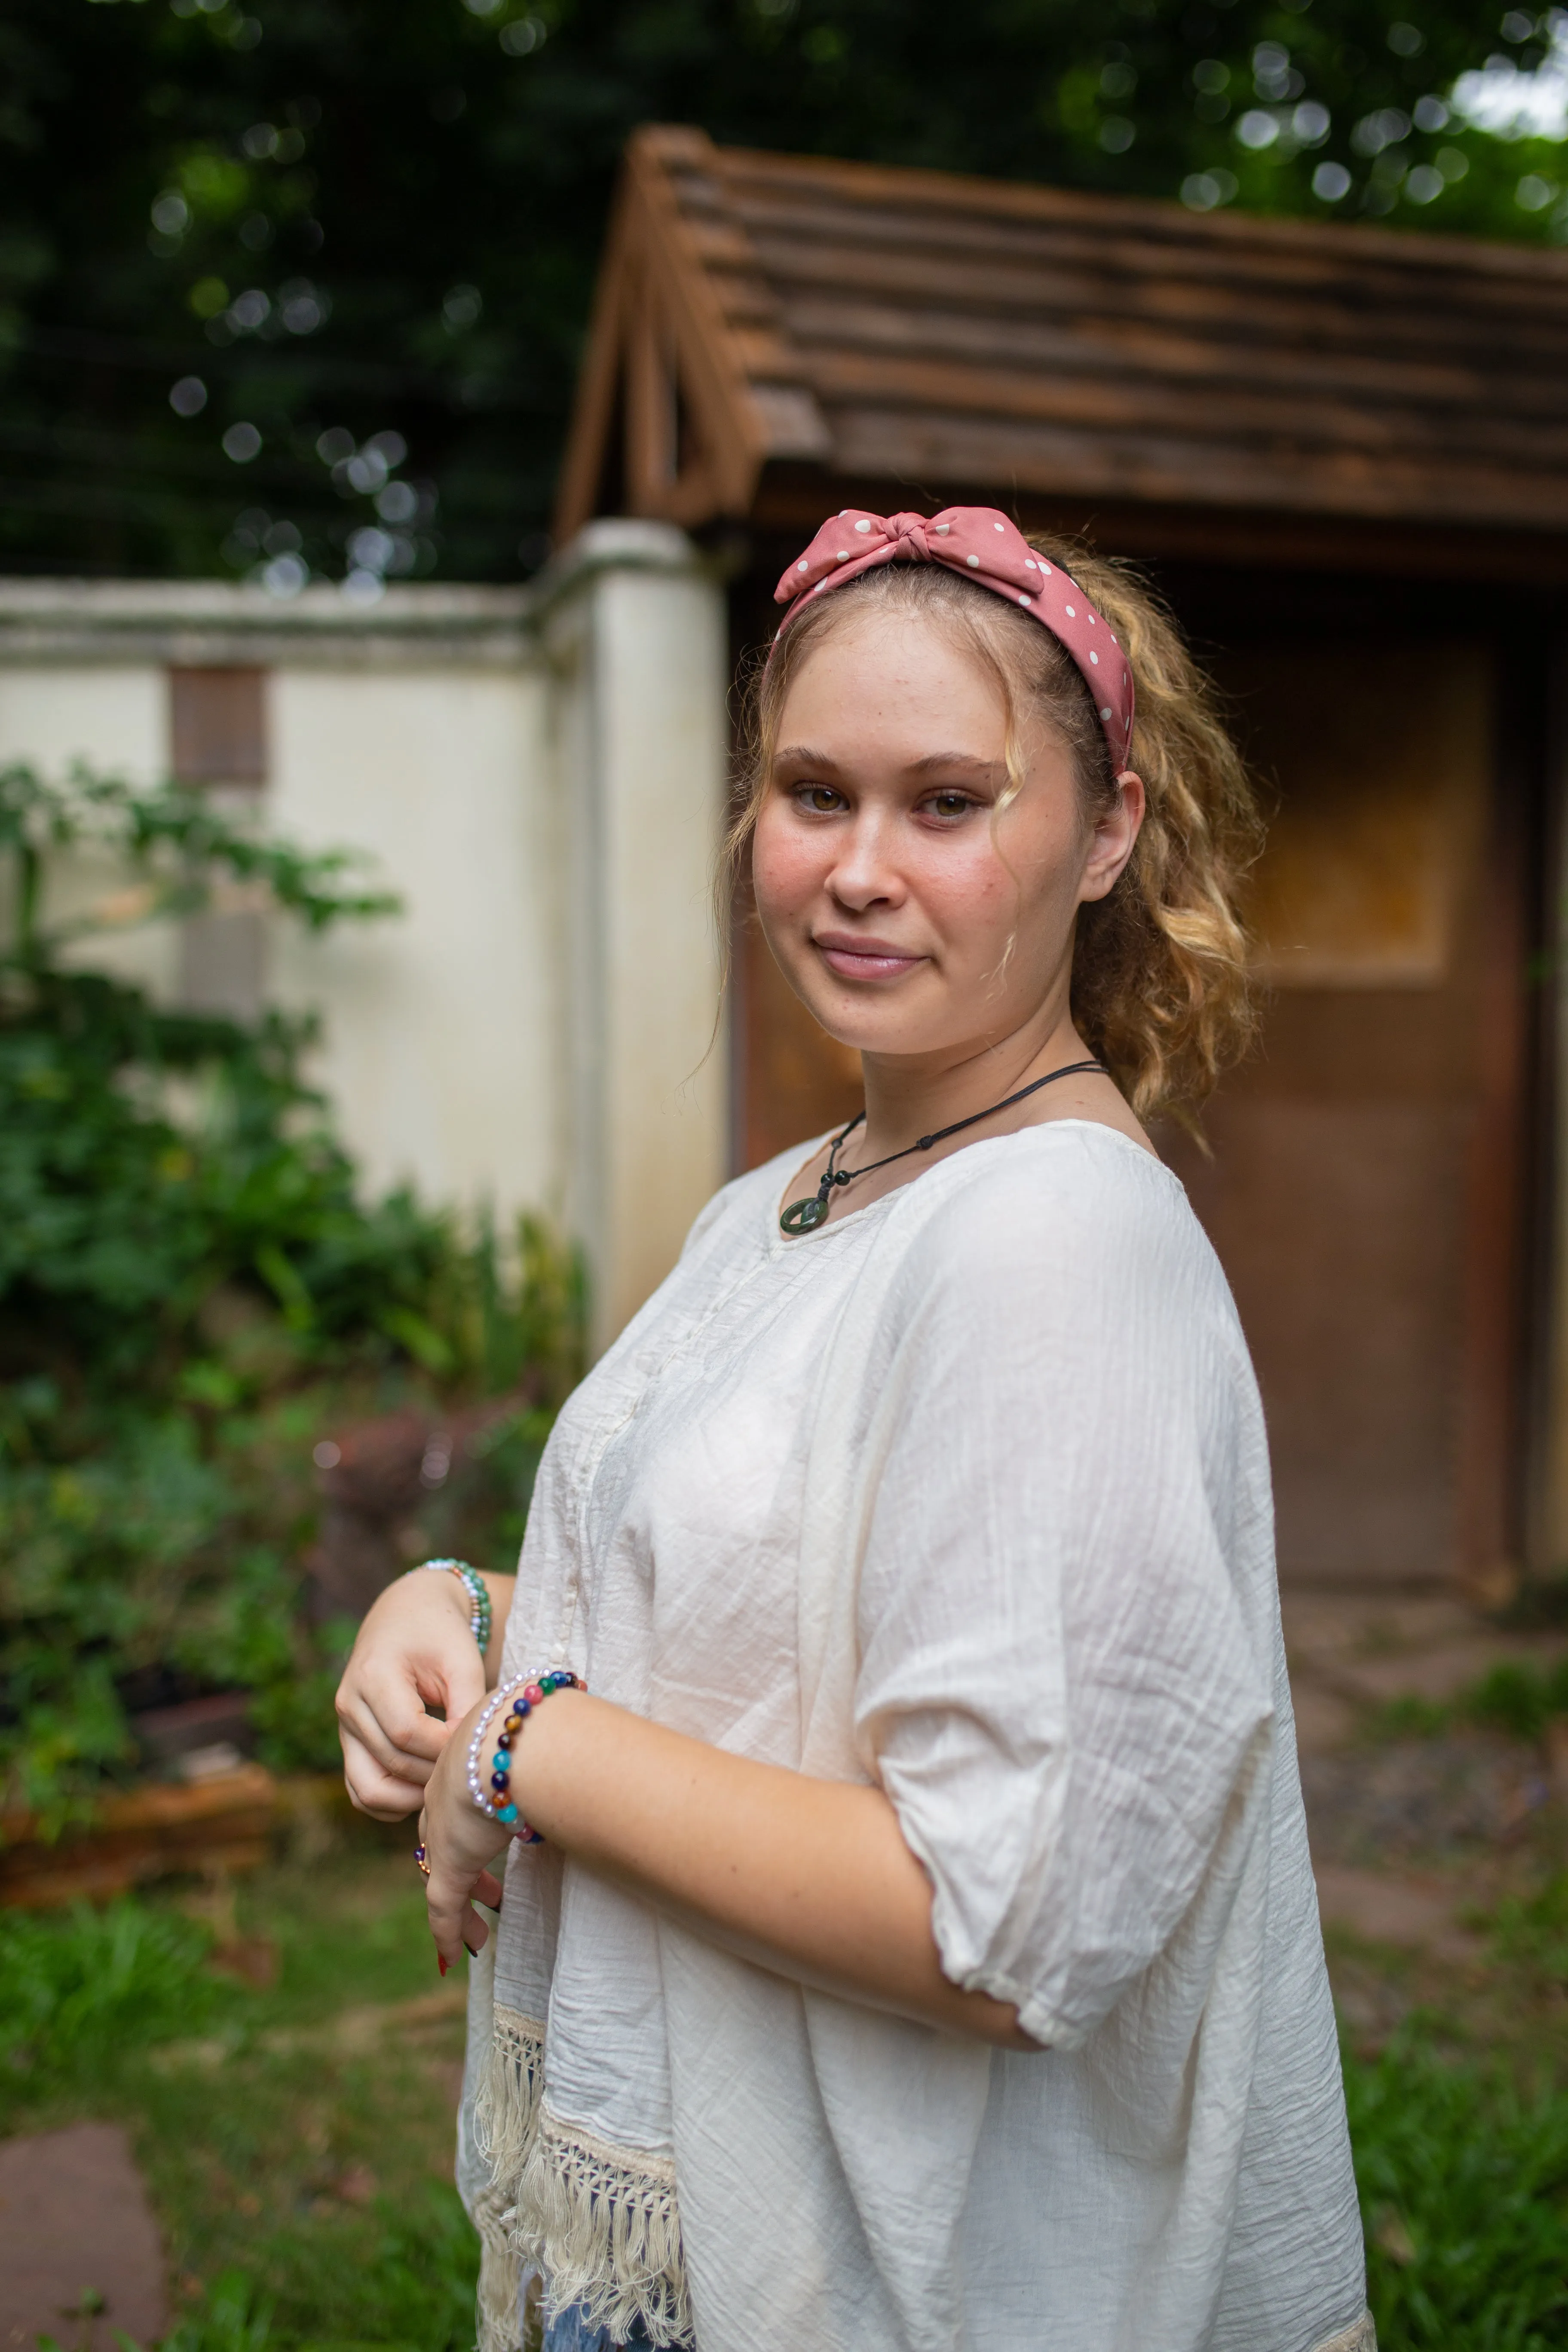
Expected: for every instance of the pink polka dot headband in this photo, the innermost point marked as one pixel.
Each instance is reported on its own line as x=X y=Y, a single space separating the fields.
x=986 y=548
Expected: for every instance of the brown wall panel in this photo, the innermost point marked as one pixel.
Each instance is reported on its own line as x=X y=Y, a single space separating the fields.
x=217 y=725
x=1341 y=1227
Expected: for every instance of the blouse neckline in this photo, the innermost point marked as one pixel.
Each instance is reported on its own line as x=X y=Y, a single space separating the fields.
x=781 y=1241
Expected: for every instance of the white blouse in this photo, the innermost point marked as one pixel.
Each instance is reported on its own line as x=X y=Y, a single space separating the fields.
x=965 y=1495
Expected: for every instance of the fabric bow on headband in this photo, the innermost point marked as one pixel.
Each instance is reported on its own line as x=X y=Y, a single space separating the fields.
x=988 y=548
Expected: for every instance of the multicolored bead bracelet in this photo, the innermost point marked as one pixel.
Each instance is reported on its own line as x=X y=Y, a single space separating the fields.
x=515 y=1705
x=477 y=1589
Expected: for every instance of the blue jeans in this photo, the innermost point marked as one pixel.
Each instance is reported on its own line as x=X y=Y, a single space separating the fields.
x=570 y=2332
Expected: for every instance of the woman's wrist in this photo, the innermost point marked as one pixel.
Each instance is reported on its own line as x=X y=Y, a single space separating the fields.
x=491 y=1744
x=460 y=1588
x=475 y=1589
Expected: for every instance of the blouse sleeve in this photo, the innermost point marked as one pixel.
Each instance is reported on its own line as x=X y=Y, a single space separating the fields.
x=1057 y=1689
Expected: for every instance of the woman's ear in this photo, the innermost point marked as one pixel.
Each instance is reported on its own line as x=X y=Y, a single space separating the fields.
x=1115 y=832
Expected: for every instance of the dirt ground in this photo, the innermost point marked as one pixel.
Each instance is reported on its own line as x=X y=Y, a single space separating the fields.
x=1424 y=1840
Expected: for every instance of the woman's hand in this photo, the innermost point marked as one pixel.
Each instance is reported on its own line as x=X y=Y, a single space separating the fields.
x=414 y=1652
x=458 y=1841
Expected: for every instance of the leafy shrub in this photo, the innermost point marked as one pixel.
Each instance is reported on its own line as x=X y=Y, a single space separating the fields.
x=1463 y=2180
x=78 y=1990
x=189 y=1286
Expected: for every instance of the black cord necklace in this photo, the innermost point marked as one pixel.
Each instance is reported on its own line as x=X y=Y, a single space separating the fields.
x=805 y=1217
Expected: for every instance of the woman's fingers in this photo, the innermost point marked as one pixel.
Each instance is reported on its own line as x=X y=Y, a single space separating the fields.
x=463 y=1680
x=382 y=1702
x=414 y=1652
x=472 y=1931
x=462 y=1845
x=454 y=1923
x=387 y=1716
x=384 y=1795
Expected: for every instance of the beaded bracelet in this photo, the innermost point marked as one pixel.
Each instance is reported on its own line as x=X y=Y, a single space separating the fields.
x=520 y=1703
x=478 y=1591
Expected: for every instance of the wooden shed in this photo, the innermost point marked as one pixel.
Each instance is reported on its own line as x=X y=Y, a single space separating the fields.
x=1342 y=454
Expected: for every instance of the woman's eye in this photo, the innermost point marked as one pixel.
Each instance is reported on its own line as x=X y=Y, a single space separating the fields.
x=821 y=799
x=950 y=804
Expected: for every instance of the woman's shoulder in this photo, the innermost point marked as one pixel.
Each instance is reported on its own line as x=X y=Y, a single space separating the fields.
x=1071 y=1206
x=1060 y=1172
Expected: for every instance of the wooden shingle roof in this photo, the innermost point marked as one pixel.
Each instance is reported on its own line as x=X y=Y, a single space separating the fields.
x=767 y=318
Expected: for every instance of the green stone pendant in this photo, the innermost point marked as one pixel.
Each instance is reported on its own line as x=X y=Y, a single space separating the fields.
x=803 y=1216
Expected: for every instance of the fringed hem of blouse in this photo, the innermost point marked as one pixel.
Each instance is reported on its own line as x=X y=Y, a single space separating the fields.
x=1361 y=2335
x=599 y=2222
x=506 y=2115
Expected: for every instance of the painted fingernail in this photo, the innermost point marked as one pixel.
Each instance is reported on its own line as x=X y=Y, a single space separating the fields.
x=441 y=1962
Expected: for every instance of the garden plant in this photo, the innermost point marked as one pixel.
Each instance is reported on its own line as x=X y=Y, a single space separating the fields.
x=193 y=1292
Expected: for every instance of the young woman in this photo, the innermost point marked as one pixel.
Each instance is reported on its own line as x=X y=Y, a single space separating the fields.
x=922 y=1950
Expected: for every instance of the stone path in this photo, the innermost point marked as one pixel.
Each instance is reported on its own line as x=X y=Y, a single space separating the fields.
x=1400 y=1832
x=81 y=2258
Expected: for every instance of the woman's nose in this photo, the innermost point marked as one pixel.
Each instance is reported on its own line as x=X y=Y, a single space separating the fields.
x=864 y=874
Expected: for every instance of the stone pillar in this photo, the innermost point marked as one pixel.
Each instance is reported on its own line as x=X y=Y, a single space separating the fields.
x=634 y=630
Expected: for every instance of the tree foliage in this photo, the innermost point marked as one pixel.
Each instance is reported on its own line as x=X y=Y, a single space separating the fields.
x=298 y=286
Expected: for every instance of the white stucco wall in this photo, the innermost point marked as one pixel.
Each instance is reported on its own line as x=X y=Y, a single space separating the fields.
x=114 y=714
x=437 y=1048
x=539 y=775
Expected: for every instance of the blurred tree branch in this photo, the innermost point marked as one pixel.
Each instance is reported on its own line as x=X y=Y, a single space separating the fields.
x=367 y=230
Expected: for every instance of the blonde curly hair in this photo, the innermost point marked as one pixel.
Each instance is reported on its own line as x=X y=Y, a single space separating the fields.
x=1160 y=985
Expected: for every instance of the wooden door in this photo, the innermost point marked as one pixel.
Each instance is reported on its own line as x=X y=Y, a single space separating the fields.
x=1362 y=1187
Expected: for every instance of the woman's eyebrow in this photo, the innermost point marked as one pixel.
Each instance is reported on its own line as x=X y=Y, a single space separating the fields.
x=946 y=761
x=801 y=755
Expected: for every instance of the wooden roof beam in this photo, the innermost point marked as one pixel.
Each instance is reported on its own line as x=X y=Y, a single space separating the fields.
x=685 y=345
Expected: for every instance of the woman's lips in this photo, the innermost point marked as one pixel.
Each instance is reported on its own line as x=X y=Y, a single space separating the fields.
x=865 y=959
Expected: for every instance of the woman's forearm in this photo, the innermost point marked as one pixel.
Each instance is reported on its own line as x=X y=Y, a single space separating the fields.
x=810 y=1877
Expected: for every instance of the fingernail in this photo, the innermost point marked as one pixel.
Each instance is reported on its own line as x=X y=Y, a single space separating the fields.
x=441 y=1962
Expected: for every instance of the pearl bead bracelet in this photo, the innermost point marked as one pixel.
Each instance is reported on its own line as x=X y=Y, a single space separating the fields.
x=491 y=1792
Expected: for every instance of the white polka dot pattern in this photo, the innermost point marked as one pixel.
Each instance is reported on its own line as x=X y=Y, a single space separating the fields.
x=987 y=547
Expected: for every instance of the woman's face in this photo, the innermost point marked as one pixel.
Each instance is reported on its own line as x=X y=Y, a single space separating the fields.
x=887 y=885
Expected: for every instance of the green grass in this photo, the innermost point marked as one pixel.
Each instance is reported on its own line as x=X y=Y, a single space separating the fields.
x=1463 y=2177
x=1517 y=1700
x=297 y=2140
x=74 y=1992
x=1530 y=1934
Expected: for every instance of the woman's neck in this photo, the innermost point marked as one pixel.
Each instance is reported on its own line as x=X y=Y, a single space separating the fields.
x=908 y=1096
